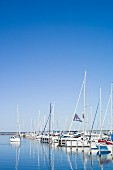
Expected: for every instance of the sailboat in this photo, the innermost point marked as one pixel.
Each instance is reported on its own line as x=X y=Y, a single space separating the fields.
x=79 y=139
x=101 y=147
x=16 y=138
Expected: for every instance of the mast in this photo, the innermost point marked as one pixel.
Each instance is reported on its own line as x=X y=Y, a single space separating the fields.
x=84 y=115
x=18 y=127
x=91 y=115
x=50 y=120
x=38 y=122
x=83 y=85
x=100 y=111
x=52 y=117
x=111 y=105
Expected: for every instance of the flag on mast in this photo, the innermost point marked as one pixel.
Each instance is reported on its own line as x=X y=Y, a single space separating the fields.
x=76 y=118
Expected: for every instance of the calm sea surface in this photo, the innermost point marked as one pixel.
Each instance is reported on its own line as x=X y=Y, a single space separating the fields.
x=33 y=155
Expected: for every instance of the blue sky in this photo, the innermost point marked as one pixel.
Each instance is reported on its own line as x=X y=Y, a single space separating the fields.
x=45 y=47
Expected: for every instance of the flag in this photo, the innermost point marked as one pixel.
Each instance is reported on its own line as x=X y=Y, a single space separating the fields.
x=76 y=118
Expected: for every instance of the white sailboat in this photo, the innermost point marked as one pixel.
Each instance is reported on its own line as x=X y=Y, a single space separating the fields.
x=101 y=146
x=16 y=138
x=77 y=141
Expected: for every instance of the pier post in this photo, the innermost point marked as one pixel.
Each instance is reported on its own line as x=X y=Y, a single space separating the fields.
x=90 y=151
x=83 y=146
x=60 y=142
x=65 y=143
x=99 y=150
x=76 y=145
x=71 y=144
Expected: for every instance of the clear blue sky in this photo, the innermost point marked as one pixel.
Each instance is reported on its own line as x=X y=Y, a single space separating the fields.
x=45 y=47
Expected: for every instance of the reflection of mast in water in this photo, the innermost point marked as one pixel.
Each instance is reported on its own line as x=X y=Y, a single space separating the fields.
x=69 y=152
x=49 y=159
x=32 y=148
x=69 y=161
x=84 y=159
x=51 y=156
x=38 y=157
x=17 y=147
x=52 y=159
x=35 y=148
x=91 y=160
x=76 y=155
x=104 y=159
x=101 y=166
x=17 y=157
x=90 y=157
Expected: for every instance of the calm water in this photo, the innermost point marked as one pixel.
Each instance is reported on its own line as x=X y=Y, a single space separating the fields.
x=33 y=155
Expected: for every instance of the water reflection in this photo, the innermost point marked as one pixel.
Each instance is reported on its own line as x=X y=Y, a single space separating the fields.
x=86 y=160
x=16 y=146
x=48 y=153
x=50 y=157
x=104 y=159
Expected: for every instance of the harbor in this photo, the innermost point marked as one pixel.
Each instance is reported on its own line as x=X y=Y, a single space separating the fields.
x=56 y=85
x=99 y=142
x=44 y=147
x=33 y=154
x=96 y=141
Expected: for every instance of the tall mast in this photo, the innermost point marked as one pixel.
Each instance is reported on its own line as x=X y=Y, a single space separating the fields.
x=91 y=116
x=18 y=128
x=100 y=111
x=50 y=119
x=100 y=107
x=53 y=116
x=111 y=105
x=83 y=85
x=84 y=115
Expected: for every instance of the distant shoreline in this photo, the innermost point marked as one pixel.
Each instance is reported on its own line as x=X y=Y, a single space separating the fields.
x=14 y=133
x=10 y=133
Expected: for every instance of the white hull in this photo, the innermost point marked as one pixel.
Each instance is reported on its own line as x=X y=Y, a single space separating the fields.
x=55 y=139
x=15 y=139
x=75 y=143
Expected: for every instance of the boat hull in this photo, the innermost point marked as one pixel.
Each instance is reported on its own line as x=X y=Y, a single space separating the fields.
x=15 y=139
